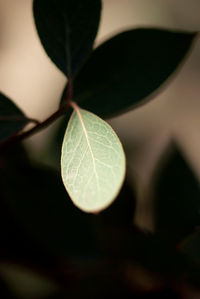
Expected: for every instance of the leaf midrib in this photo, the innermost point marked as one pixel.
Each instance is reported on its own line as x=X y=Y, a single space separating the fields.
x=89 y=145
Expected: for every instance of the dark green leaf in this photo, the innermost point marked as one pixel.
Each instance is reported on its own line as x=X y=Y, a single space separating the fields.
x=67 y=29
x=149 y=250
x=38 y=200
x=12 y=119
x=177 y=198
x=191 y=247
x=126 y=69
x=121 y=212
x=16 y=241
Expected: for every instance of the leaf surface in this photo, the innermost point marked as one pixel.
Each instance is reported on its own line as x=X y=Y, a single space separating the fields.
x=92 y=161
x=129 y=67
x=67 y=29
x=12 y=119
x=177 y=192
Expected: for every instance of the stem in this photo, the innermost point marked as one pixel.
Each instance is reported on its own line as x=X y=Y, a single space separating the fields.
x=74 y=105
x=41 y=125
x=37 y=128
x=69 y=93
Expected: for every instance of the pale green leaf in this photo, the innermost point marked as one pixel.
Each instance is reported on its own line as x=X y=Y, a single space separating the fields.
x=92 y=161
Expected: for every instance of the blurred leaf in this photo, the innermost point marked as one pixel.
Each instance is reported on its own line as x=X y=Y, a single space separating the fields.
x=39 y=202
x=5 y=290
x=177 y=198
x=92 y=161
x=67 y=29
x=121 y=212
x=126 y=69
x=35 y=198
x=17 y=244
x=190 y=247
x=12 y=119
x=151 y=251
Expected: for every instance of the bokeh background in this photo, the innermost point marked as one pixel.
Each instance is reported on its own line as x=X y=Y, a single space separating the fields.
x=29 y=78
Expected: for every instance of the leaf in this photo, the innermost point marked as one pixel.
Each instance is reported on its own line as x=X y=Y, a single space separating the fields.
x=177 y=197
x=190 y=250
x=67 y=29
x=190 y=247
x=92 y=161
x=12 y=119
x=126 y=69
x=120 y=213
x=14 y=236
x=41 y=207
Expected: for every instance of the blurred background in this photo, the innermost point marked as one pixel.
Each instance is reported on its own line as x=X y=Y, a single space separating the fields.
x=29 y=78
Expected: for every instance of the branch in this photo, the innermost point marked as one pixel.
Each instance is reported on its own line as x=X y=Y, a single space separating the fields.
x=41 y=125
